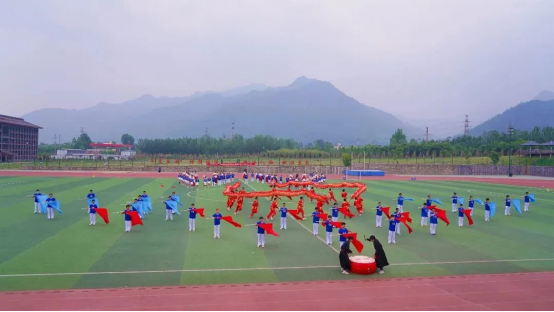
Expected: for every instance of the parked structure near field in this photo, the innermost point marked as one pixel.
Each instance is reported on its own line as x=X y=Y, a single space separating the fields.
x=18 y=139
x=102 y=151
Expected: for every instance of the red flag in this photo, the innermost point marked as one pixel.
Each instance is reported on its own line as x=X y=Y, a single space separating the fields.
x=386 y=211
x=407 y=216
x=103 y=213
x=135 y=218
x=441 y=214
x=230 y=220
x=323 y=216
x=357 y=244
x=294 y=213
x=404 y=221
x=336 y=224
x=467 y=212
x=200 y=211
x=268 y=227
x=346 y=212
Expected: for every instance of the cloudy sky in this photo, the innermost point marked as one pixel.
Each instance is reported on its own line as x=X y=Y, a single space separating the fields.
x=417 y=59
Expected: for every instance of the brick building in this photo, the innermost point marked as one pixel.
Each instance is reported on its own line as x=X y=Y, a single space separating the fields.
x=18 y=139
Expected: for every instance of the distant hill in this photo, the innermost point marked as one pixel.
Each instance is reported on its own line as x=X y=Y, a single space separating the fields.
x=305 y=110
x=544 y=96
x=524 y=116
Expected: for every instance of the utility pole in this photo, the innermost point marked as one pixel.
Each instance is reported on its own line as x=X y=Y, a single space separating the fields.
x=206 y=132
x=232 y=129
x=426 y=134
x=466 y=126
x=82 y=130
x=510 y=130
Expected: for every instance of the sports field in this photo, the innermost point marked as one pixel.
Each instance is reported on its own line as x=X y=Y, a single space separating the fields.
x=36 y=253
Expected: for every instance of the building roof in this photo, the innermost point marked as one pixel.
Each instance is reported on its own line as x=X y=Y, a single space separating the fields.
x=530 y=143
x=109 y=145
x=17 y=122
x=551 y=143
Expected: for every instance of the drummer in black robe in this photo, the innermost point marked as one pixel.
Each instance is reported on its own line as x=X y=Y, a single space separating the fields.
x=380 y=256
x=343 y=256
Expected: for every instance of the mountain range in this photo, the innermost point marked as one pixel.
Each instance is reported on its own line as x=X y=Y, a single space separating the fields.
x=305 y=110
x=524 y=116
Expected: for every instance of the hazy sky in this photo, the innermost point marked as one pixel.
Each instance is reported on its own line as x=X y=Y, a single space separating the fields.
x=423 y=59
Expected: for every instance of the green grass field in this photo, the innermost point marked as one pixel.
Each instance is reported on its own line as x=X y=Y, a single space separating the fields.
x=36 y=253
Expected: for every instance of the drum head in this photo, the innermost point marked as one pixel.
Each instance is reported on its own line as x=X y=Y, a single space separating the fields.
x=362 y=259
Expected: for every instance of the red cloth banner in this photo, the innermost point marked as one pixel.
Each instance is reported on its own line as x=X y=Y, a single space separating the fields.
x=103 y=213
x=230 y=220
x=135 y=218
x=268 y=227
x=357 y=244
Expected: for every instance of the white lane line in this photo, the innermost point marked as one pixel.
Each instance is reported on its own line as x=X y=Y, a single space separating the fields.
x=272 y=268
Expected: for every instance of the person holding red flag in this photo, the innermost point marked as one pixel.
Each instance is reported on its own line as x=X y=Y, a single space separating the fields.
x=393 y=223
x=129 y=217
x=315 y=221
x=343 y=230
x=379 y=215
x=461 y=215
x=92 y=212
x=255 y=205
x=433 y=221
x=335 y=213
x=424 y=214
x=261 y=232
x=217 y=221
x=283 y=211
x=300 y=207
x=328 y=231
x=397 y=214
x=192 y=218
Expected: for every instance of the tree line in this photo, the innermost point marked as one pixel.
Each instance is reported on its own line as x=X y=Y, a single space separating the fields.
x=268 y=146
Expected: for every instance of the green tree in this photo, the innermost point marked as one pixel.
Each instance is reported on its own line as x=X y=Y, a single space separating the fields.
x=398 y=137
x=346 y=159
x=127 y=139
x=397 y=152
x=81 y=142
x=495 y=158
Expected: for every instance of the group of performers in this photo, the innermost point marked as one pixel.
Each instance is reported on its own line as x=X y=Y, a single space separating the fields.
x=273 y=178
x=191 y=179
x=135 y=212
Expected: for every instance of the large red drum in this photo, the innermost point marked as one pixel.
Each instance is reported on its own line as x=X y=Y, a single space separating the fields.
x=362 y=265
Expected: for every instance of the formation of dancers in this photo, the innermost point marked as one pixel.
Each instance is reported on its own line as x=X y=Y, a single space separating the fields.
x=137 y=210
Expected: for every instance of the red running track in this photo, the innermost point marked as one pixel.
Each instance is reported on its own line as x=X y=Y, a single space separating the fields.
x=540 y=183
x=523 y=291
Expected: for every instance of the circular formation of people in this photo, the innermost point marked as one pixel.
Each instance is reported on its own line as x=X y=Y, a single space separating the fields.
x=141 y=206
